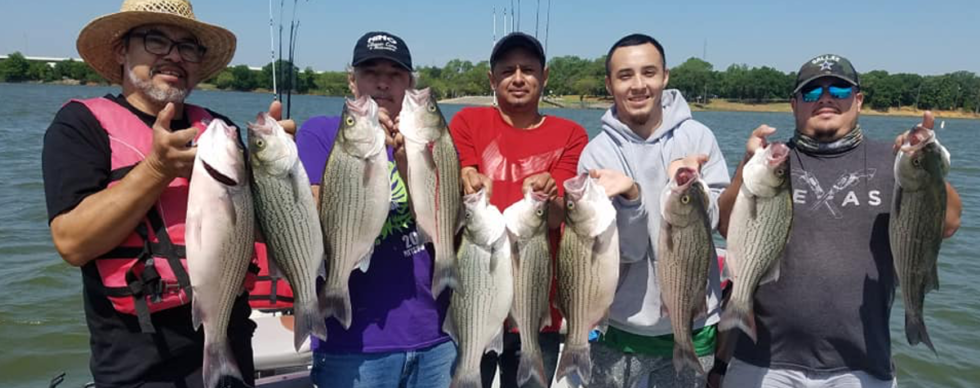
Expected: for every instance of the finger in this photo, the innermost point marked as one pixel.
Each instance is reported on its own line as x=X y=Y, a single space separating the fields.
x=182 y=138
x=763 y=131
x=701 y=159
x=164 y=117
x=928 y=120
x=275 y=110
x=594 y=174
x=289 y=126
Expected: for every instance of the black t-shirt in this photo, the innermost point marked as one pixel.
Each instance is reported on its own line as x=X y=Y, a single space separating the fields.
x=76 y=164
x=829 y=309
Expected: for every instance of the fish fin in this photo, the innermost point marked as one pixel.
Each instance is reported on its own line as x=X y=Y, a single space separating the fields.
x=496 y=343
x=896 y=201
x=576 y=364
x=365 y=262
x=932 y=281
x=424 y=238
x=300 y=188
x=531 y=366
x=336 y=303
x=450 y=329
x=701 y=311
x=545 y=320
x=219 y=363
x=771 y=275
x=684 y=355
x=308 y=321
x=430 y=158
x=915 y=331
x=664 y=311
x=444 y=276
x=603 y=324
x=667 y=230
x=197 y=314
x=737 y=317
x=753 y=206
x=229 y=209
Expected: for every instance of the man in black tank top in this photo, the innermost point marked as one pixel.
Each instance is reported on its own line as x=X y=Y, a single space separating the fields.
x=824 y=322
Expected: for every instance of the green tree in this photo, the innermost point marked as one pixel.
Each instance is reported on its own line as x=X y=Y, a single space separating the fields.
x=244 y=78
x=15 y=68
x=695 y=78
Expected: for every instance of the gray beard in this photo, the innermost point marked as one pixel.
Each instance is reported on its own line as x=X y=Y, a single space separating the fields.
x=156 y=94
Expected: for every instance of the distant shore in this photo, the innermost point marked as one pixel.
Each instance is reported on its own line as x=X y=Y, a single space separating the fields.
x=717 y=105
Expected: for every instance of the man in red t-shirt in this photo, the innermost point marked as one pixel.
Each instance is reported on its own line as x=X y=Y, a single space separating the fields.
x=513 y=148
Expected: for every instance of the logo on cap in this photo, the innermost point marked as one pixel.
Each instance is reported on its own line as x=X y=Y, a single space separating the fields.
x=826 y=62
x=382 y=42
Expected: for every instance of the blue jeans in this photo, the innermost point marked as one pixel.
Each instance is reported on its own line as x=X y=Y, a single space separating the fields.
x=423 y=368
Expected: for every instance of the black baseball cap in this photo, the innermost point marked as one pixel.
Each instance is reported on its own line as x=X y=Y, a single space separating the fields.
x=514 y=40
x=382 y=45
x=827 y=65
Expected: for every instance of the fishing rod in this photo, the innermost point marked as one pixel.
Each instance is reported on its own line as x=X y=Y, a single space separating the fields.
x=292 y=69
x=281 y=4
x=272 y=48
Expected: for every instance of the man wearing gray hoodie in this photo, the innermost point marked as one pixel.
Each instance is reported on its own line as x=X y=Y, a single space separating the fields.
x=646 y=136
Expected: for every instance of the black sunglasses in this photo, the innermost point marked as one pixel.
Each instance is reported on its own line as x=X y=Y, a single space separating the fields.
x=155 y=42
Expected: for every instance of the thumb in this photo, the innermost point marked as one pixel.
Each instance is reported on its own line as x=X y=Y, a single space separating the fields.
x=184 y=137
x=928 y=120
x=275 y=110
x=594 y=174
x=701 y=159
x=164 y=117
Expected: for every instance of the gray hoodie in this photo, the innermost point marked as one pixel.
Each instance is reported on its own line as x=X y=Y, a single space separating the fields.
x=637 y=305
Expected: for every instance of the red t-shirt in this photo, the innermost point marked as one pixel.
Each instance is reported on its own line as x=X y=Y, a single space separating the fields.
x=508 y=155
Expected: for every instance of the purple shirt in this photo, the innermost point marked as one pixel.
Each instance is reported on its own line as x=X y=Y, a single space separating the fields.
x=393 y=308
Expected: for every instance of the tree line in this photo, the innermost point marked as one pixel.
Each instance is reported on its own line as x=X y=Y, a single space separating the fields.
x=569 y=75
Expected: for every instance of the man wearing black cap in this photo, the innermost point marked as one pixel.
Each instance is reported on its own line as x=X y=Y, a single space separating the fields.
x=511 y=150
x=824 y=323
x=395 y=338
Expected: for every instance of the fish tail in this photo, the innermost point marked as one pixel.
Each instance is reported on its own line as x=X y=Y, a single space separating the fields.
x=576 y=364
x=531 y=366
x=915 y=331
x=336 y=303
x=444 y=276
x=736 y=315
x=308 y=322
x=219 y=363
x=684 y=355
x=467 y=379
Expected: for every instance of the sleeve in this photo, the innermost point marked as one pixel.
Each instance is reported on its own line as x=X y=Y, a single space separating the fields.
x=314 y=141
x=75 y=159
x=462 y=134
x=631 y=216
x=567 y=166
x=714 y=172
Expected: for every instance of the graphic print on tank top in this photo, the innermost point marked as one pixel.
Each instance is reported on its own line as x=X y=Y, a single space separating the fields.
x=811 y=194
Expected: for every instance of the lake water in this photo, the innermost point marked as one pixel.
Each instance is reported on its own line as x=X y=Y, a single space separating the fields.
x=42 y=324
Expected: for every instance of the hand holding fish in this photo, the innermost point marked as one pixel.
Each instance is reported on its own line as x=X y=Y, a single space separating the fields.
x=473 y=181
x=288 y=125
x=541 y=183
x=394 y=139
x=616 y=183
x=758 y=139
x=928 y=121
x=694 y=162
x=171 y=156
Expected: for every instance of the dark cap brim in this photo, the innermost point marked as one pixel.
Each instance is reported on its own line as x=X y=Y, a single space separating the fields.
x=819 y=76
x=515 y=40
x=371 y=57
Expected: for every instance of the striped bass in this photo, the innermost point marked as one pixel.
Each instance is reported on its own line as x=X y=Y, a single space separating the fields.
x=684 y=255
x=588 y=270
x=915 y=227
x=286 y=210
x=758 y=232
x=479 y=306
x=355 y=197
x=433 y=180
x=220 y=236
x=527 y=223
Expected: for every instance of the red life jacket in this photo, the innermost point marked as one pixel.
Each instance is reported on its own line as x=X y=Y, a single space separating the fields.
x=147 y=272
x=271 y=290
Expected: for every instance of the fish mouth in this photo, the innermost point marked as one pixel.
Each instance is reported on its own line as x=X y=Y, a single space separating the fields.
x=684 y=177
x=778 y=152
x=918 y=138
x=260 y=126
x=361 y=106
x=538 y=197
x=218 y=176
x=575 y=187
x=418 y=97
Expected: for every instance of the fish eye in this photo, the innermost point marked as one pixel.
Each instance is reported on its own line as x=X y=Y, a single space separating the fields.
x=469 y=215
x=916 y=162
x=350 y=121
x=539 y=212
x=260 y=143
x=432 y=108
x=686 y=199
x=780 y=172
x=570 y=205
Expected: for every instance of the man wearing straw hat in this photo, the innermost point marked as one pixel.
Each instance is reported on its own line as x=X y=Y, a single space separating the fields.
x=115 y=174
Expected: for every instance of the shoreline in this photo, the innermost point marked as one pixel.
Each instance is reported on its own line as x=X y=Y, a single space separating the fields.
x=717 y=105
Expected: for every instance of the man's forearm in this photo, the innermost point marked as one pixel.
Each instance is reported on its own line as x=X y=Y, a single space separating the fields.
x=726 y=201
x=104 y=219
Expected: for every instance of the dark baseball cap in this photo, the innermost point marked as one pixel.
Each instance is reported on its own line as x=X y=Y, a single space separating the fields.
x=827 y=65
x=382 y=45
x=514 y=40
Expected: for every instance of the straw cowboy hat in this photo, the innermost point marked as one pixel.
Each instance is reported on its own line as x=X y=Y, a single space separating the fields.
x=98 y=39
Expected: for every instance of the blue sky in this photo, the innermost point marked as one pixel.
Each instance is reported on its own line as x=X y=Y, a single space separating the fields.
x=898 y=36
